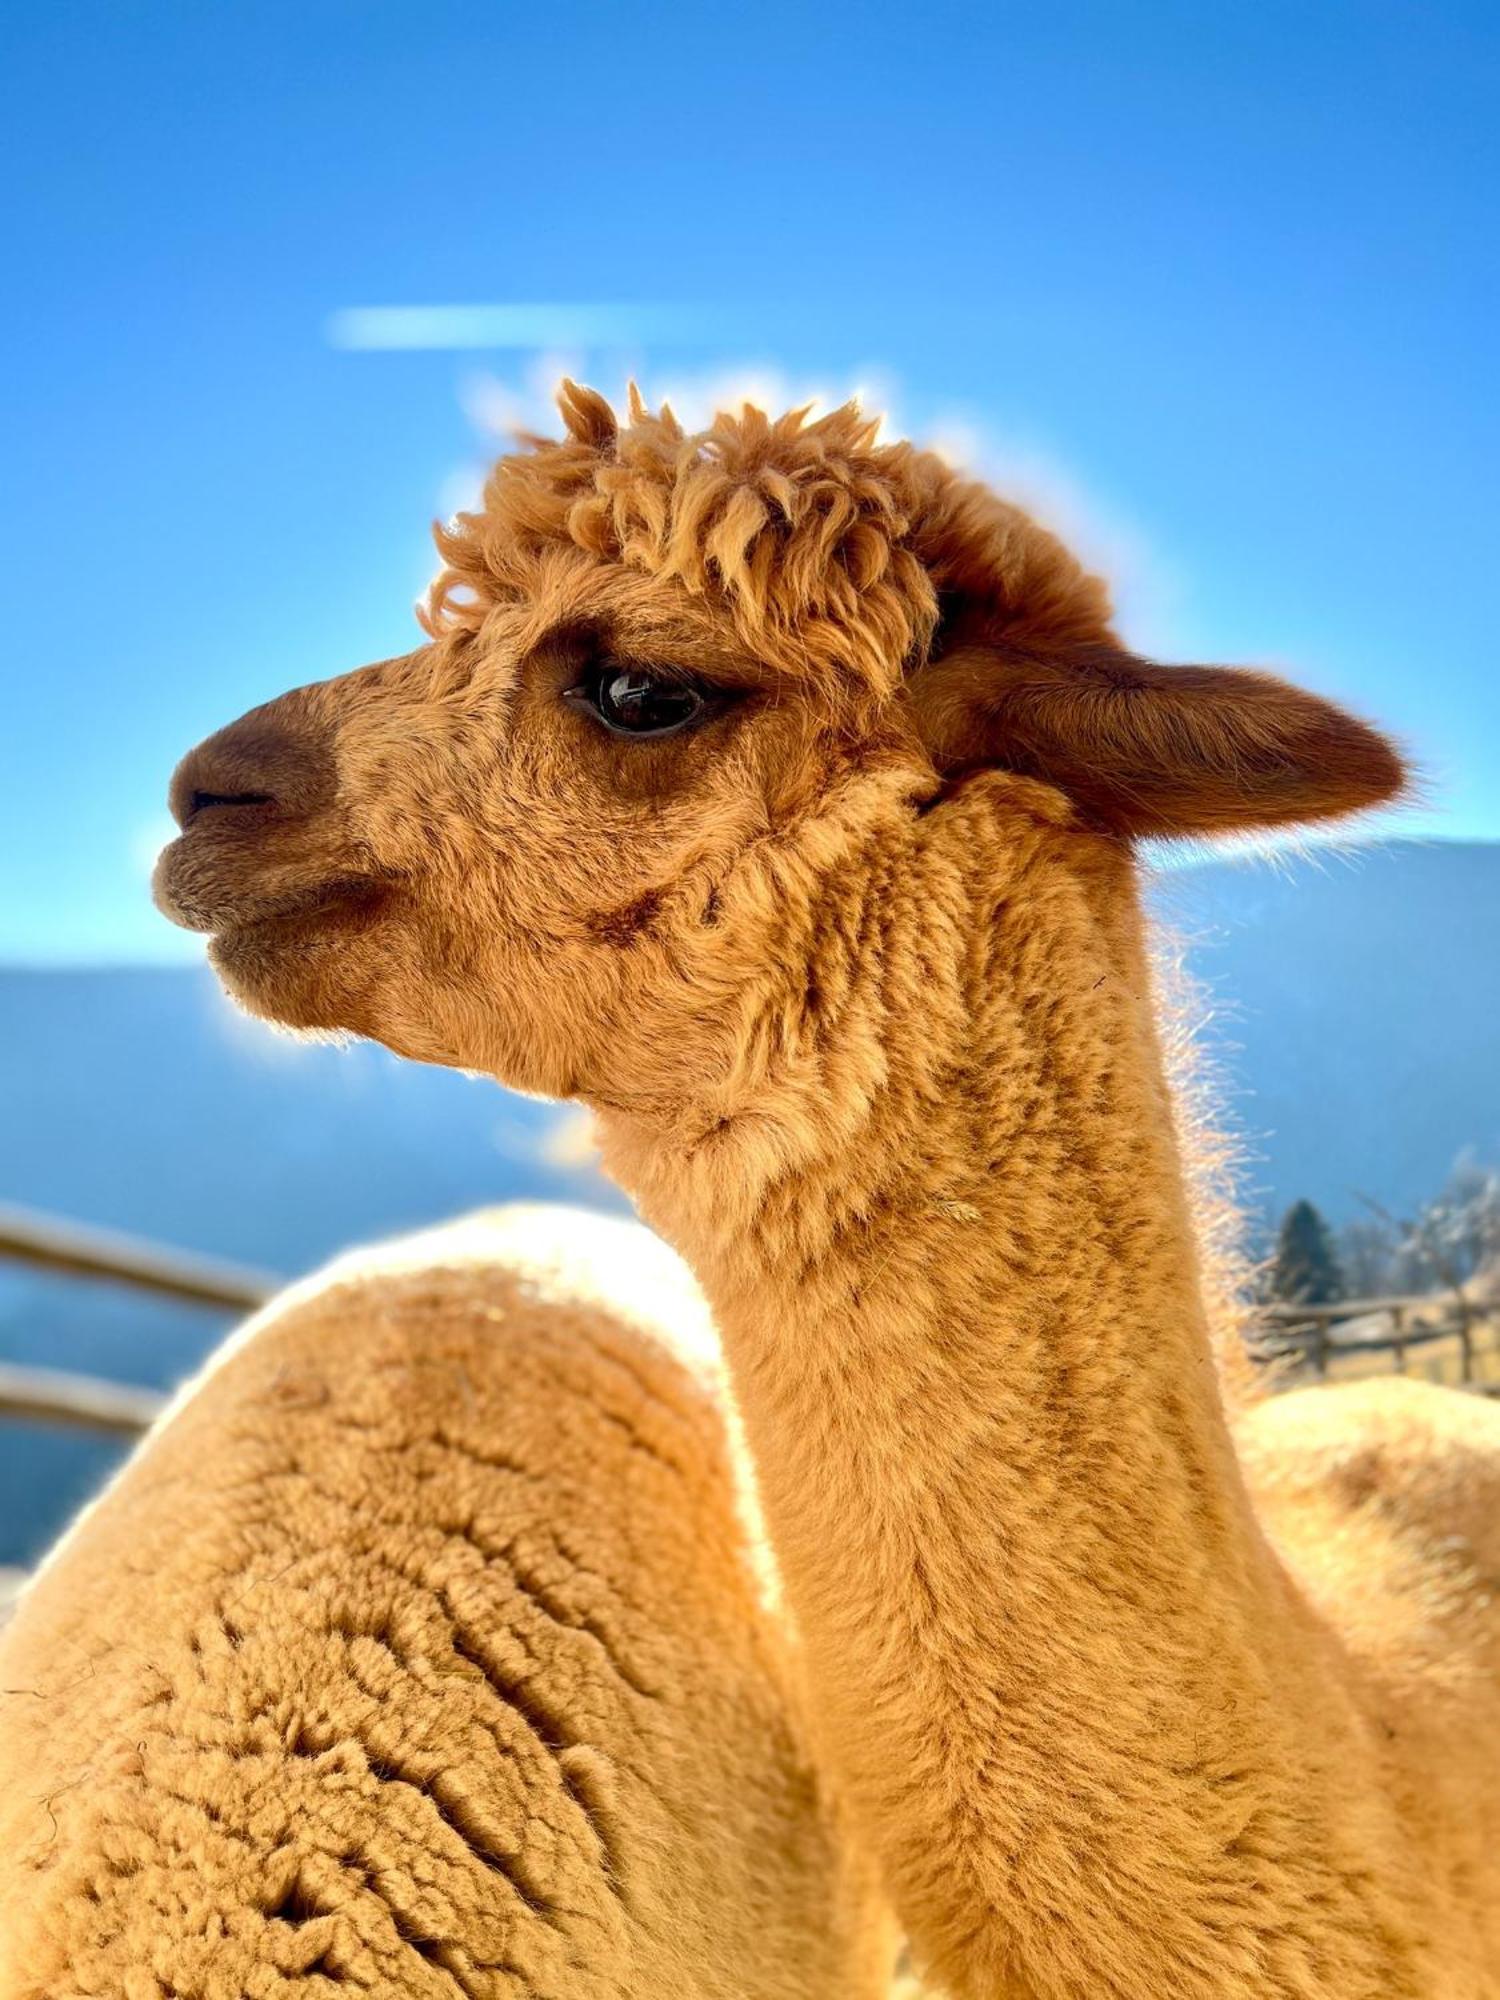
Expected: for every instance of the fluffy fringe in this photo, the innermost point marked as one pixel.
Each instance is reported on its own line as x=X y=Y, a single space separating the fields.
x=834 y=556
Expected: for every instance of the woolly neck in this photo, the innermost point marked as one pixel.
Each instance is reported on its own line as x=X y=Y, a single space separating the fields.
x=948 y=1245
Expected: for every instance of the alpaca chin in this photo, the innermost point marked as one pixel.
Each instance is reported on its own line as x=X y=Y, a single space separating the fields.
x=311 y=968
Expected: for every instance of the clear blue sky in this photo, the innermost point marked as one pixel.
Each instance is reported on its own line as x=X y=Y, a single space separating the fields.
x=1220 y=279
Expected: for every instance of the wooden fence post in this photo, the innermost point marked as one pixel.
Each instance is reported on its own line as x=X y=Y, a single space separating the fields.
x=1320 y=1346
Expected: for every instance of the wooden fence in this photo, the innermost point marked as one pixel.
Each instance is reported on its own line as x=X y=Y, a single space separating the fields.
x=1328 y=1341
x=48 y=1395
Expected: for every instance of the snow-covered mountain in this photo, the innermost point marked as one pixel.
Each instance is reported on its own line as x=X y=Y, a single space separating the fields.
x=1354 y=1014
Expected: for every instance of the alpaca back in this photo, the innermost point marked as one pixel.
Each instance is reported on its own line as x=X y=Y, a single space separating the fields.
x=422 y=1647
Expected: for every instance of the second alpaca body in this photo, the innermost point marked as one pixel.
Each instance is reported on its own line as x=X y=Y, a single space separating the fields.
x=421 y=1652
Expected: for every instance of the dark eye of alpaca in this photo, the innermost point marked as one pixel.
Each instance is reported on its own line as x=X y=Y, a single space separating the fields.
x=631 y=701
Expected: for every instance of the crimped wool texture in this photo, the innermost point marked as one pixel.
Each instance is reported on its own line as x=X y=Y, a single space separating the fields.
x=1120 y=1725
x=421 y=1652
x=853 y=974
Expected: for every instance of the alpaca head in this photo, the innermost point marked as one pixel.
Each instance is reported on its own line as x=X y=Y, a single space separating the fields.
x=669 y=676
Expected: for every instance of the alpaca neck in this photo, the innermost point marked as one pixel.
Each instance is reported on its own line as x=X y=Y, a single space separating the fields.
x=949 y=1250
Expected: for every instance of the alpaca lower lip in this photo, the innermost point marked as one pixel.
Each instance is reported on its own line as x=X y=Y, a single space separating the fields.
x=347 y=895
x=252 y=942
x=192 y=895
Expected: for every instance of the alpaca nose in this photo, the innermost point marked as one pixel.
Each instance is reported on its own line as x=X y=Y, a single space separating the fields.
x=264 y=767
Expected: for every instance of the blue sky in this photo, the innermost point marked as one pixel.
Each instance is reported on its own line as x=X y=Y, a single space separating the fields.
x=1214 y=285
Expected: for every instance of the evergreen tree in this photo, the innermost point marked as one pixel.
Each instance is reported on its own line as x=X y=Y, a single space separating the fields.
x=1306 y=1271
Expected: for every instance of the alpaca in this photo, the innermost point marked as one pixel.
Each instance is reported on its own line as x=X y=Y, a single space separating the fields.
x=775 y=792
x=421 y=1648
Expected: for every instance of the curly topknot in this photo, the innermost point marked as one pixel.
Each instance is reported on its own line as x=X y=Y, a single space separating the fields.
x=833 y=556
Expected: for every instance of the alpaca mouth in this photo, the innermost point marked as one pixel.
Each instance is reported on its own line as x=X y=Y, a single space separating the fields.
x=194 y=890
x=256 y=952
x=345 y=899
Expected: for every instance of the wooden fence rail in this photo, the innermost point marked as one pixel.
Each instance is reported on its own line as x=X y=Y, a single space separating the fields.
x=83 y=1402
x=29 y=1237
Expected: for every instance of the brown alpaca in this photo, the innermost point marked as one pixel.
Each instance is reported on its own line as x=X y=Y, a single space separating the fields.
x=420 y=1652
x=774 y=792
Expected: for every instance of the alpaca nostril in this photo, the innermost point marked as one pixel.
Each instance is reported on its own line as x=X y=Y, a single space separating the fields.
x=269 y=766
x=198 y=802
x=211 y=781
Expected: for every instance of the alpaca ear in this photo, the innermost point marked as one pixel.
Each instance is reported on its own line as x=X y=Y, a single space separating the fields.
x=1146 y=749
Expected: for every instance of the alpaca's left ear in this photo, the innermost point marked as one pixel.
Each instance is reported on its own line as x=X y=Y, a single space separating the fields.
x=1146 y=749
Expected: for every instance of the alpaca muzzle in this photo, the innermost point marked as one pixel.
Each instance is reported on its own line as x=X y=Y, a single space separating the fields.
x=259 y=836
x=273 y=763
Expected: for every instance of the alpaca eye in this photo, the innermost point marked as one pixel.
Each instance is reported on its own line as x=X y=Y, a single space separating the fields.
x=631 y=702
